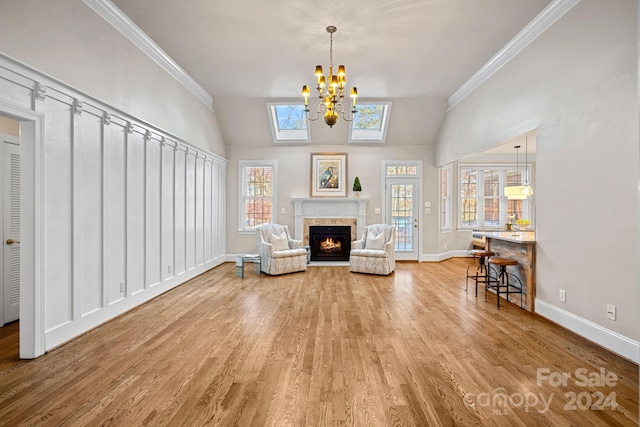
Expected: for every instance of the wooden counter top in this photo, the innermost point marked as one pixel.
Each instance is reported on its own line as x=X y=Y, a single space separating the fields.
x=510 y=236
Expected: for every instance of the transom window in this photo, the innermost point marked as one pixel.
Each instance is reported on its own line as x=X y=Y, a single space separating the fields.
x=402 y=170
x=257 y=193
x=289 y=122
x=482 y=200
x=370 y=123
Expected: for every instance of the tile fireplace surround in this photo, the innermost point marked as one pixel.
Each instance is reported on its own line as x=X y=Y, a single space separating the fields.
x=329 y=211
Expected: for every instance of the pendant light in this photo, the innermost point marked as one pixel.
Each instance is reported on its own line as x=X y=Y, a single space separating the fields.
x=514 y=192
x=526 y=190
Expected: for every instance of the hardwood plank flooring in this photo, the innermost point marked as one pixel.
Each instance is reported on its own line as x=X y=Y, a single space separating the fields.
x=324 y=347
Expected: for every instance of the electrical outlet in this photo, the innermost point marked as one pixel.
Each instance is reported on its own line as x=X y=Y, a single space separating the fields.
x=376 y=210
x=123 y=286
x=563 y=295
x=611 y=312
x=283 y=211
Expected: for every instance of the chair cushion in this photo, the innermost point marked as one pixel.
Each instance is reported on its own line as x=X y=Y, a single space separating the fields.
x=290 y=252
x=370 y=253
x=279 y=241
x=375 y=242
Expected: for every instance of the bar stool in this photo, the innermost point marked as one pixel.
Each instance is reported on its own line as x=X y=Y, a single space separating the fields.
x=502 y=283
x=482 y=272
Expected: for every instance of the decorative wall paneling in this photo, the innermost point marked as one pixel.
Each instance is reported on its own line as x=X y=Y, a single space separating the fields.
x=128 y=211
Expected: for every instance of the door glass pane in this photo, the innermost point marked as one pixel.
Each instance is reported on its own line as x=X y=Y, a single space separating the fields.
x=402 y=215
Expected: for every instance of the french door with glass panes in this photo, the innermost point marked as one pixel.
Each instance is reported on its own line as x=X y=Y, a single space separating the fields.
x=402 y=207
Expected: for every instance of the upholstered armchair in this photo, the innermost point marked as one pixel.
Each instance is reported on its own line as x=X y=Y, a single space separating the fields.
x=375 y=252
x=279 y=253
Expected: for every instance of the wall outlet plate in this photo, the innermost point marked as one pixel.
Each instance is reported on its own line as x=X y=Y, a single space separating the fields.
x=611 y=312
x=563 y=295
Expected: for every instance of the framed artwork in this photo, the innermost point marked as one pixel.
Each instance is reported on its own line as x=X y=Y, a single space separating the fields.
x=329 y=175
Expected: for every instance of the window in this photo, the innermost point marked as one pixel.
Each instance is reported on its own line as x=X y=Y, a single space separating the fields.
x=289 y=122
x=257 y=193
x=402 y=170
x=482 y=200
x=445 y=198
x=370 y=123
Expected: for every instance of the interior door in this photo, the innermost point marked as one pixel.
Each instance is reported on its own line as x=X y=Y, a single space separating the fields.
x=402 y=206
x=11 y=231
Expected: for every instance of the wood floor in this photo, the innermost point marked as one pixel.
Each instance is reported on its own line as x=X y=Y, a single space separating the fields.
x=325 y=347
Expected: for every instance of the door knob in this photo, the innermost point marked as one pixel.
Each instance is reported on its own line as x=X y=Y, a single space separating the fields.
x=11 y=241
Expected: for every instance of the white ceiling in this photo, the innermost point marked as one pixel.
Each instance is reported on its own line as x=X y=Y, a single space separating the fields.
x=391 y=48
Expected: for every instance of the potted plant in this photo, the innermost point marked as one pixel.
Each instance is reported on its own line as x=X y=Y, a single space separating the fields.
x=357 y=188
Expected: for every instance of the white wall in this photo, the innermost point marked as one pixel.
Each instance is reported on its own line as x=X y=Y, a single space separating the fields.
x=577 y=86
x=294 y=176
x=412 y=133
x=70 y=42
x=120 y=183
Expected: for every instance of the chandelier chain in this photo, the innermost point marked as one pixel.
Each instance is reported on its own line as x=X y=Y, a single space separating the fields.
x=331 y=51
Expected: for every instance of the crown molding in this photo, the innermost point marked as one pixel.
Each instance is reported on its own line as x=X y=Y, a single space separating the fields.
x=538 y=25
x=121 y=22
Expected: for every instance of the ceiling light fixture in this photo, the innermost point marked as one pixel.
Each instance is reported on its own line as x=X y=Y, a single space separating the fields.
x=330 y=91
x=526 y=190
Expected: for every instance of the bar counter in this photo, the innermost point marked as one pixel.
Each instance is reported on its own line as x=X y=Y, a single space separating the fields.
x=519 y=245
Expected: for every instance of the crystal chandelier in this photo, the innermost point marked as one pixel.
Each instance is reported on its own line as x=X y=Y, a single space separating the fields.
x=330 y=91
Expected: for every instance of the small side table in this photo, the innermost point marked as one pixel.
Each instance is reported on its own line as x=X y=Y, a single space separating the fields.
x=254 y=258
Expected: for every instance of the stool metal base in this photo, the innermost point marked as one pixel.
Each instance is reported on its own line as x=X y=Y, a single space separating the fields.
x=503 y=285
x=482 y=273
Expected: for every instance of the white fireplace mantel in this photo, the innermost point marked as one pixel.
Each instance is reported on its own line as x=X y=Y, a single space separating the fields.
x=329 y=207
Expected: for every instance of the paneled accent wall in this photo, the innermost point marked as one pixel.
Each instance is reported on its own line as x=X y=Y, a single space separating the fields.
x=128 y=211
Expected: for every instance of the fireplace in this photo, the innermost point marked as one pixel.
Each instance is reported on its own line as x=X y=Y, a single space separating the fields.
x=330 y=243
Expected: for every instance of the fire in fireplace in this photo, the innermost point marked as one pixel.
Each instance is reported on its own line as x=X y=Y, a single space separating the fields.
x=330 y=243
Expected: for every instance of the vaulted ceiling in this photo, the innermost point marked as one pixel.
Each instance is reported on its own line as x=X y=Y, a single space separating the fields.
x=246 y=50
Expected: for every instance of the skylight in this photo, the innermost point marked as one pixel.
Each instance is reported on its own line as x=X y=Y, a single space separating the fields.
x=370 y=124
x=288 y=122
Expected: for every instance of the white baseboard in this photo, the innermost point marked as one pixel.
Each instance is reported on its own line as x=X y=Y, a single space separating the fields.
x=444 y=256
x=608 y=339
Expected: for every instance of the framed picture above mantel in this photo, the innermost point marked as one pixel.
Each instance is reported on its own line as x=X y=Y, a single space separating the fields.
x=328 y=175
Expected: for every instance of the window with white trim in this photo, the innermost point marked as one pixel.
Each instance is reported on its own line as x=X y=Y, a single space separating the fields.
x=257 y=187
x=482 y=201
x=370 y=122
x=288 y=122
x=445 y=198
